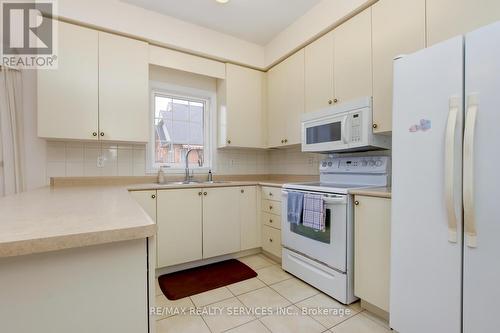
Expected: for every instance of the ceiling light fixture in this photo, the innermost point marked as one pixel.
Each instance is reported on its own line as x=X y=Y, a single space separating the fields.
x=222 y=1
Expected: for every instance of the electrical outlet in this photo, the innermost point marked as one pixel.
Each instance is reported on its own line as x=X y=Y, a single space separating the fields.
x=100 y=161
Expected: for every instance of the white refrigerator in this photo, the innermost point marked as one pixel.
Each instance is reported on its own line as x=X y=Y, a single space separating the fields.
x=445 y=242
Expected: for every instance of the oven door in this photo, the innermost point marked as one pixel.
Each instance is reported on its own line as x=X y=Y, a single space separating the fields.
x=329 y=246
x=325 y=133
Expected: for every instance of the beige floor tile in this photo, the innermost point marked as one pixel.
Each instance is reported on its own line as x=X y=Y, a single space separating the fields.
x=376 y=319
x=326 y=310
x=359 y=324
x=225 y=315
x=246 y=286
x=261 y=299
x=211 y=296
x=251 y=327
x=168 y=308
x=294 y=290
x=272 y=274
x=257 y=261
x=182 y=324
x=293 y=322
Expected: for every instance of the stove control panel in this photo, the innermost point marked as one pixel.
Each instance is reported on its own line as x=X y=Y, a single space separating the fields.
x=367 y=164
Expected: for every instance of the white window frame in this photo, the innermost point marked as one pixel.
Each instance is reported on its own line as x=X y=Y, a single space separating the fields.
x=209 y=99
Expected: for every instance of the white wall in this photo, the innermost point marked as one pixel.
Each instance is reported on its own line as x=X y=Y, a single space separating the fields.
x=318 y=20
x=161 y=29
x=35 y=148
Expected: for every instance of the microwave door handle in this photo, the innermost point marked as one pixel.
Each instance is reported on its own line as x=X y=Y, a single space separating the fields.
x=344 y=129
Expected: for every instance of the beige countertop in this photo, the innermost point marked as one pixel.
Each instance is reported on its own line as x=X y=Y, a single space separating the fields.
x=68 y=216
x=49 y=219
x=381 y=192
x=168 y=186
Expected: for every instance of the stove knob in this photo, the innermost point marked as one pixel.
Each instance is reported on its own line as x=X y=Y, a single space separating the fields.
x=330 y=163
x=372 y=163
x=323 y=164
x=364 y=163
x=378 y=163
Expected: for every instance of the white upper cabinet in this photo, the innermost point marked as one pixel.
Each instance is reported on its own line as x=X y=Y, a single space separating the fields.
x=319 y=90
x=398 y=27
x=449 y=18
x=123 y=89
x=221 y=221
x=353 y=58
x=99 y=91
x=68 y=96
x=286 y=100
x=241 y=107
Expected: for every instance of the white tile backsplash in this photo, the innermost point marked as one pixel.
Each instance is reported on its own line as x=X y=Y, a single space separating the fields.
x=78 y=159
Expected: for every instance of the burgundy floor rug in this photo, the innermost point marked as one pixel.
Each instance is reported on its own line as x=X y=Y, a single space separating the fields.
x=200 y=279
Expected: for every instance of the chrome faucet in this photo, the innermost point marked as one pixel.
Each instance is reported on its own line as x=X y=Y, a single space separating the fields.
x=188 y=177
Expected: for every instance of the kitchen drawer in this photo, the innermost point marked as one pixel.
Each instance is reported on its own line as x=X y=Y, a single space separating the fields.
x=273 y=207
x=271 y=240
x=271 y=193
x=271 y=220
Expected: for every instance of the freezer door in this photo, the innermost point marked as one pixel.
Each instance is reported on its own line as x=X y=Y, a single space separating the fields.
x=426 y=227
x=482 y=181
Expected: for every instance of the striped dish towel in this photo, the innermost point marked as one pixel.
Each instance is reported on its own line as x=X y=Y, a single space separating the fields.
x=314 y=211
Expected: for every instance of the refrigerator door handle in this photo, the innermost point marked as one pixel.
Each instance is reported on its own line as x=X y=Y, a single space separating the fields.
x=469 y=204
x=451 y=168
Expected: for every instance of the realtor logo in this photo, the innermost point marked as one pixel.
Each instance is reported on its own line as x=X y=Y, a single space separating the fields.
x=28 y=33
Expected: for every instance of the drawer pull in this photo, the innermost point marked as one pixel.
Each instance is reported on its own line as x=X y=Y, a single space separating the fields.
x=270 y=220
x=270 y=194
x=270 y=240
x=270 y=207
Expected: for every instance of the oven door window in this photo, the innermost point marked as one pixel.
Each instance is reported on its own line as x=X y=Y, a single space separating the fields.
x=313 y=234
x=330 y=132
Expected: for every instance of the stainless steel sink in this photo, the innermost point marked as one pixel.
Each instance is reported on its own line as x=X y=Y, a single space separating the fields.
x=191 y=182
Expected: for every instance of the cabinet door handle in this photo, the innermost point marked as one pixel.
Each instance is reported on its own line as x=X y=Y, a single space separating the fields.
x=270 y=207
x=335 y=100
x=228 y=142
x=199 y=193
x=242 y=191
x=375 y=126
x=270 y=240
x=94 y=133
x=102 y=133
x=153 y=196
x=270 y=194
x=286 y=140
x=270 y=220
x=330 y=102
x=356 y=203
x=205 y=193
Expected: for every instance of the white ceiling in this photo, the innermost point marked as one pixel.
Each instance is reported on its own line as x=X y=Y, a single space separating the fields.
x=257 y=21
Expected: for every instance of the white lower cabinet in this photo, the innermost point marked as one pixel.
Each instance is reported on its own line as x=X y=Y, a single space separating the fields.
x=250 y=232
x=179 y=222
x=271 y=240
x=147 y=200
x=201 y=223
x=221 y=221
x=372 y=250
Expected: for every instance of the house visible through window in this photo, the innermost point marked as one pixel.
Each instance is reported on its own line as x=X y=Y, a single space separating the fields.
x=180 y=124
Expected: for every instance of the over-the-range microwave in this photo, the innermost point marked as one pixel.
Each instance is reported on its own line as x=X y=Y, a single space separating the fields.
x=342 y=128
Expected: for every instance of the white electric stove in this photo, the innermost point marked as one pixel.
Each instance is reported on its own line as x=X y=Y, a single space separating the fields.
x=324 y=259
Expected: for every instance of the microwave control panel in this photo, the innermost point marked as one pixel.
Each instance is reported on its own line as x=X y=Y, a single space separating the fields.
x=356 y=123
